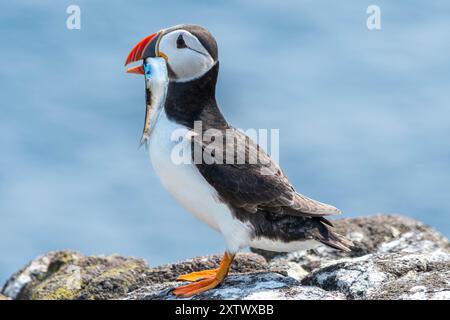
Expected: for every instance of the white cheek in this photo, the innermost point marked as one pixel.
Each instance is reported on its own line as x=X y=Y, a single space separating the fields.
x=188 y=64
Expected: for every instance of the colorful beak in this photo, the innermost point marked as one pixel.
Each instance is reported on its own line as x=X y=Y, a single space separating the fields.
x=146 y=48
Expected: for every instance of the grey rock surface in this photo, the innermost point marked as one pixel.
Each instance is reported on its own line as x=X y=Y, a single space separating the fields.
x=253 y=286
x=393 y=258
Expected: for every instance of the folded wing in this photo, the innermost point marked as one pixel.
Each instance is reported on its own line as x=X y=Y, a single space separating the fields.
x=255 y=182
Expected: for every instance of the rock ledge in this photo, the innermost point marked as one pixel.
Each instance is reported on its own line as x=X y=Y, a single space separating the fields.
x=394 y=258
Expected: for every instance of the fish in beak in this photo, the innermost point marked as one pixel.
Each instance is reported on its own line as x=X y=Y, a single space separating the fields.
x=154 y=69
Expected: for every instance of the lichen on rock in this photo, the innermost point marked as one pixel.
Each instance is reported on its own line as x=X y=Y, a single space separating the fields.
x=69 y=275
x=394 y=258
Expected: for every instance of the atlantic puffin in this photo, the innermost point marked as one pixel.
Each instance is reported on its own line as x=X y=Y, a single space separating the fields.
x=251 y=203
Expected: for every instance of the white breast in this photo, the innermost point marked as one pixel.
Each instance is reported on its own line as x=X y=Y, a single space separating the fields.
x=183 y=180
x=188 y=186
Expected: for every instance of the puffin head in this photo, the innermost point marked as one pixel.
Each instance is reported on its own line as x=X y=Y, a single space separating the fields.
x=189 y=50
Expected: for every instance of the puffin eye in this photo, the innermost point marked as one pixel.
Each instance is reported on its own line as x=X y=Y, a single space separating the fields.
x=180 y=42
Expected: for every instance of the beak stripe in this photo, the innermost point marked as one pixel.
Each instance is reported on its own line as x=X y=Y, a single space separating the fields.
x=136 y=69
x=136 y=53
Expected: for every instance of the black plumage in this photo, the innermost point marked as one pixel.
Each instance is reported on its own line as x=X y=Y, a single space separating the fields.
x=253 y=186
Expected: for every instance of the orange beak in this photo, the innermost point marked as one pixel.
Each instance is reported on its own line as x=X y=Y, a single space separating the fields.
x=147 y=47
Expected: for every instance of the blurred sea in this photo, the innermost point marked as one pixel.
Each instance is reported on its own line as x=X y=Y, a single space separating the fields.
x=364 y=116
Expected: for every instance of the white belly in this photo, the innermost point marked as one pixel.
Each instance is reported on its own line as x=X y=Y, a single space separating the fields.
x=187 y=185
x=281 y=246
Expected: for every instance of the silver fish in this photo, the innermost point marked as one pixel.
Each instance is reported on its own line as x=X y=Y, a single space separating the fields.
x=156 y=83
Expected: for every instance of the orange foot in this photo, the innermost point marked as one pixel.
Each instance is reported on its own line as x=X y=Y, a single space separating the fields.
x=194 y=276
x=211 y=278
x=196 y=287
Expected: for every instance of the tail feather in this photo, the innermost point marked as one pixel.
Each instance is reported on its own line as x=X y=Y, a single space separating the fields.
x=334 y=239
x=311 y=207
x=325 y=221
x=338 y=242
